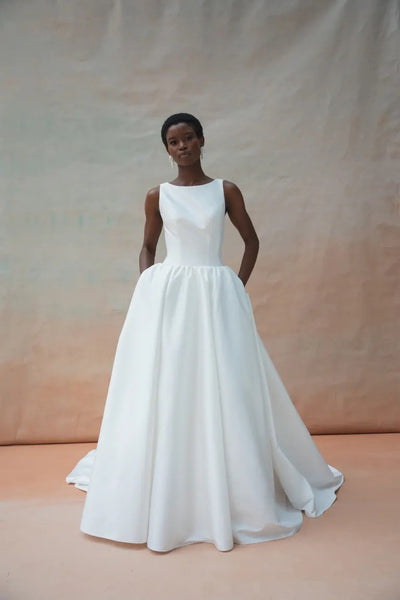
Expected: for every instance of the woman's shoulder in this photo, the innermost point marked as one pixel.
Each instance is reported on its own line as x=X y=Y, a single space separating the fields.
x=153 y=193
x=230 y=187
x=151 y=202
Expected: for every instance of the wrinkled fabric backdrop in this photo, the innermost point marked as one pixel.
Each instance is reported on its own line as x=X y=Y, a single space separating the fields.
x=301 y=108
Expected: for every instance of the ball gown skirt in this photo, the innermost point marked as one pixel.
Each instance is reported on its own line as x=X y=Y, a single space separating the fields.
x=199 y=441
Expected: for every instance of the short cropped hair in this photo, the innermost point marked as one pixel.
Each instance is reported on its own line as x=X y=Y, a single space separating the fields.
x=181 y=118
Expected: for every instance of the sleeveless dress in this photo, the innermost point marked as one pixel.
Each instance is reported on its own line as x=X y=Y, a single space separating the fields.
x=199 y=440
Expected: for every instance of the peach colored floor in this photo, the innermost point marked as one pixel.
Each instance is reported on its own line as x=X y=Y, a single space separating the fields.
x=352 y=552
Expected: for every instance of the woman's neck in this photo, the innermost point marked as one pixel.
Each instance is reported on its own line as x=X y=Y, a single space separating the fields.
x=191 y=175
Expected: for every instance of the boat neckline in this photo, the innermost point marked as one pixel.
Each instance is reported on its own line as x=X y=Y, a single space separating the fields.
x=191 y=186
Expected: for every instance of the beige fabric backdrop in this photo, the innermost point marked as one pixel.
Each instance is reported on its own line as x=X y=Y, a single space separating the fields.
x=300 y=104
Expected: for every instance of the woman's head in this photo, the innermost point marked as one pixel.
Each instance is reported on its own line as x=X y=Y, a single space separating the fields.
x=177 y=119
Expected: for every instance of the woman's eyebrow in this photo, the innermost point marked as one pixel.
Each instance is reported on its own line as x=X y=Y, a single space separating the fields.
x=172 y=138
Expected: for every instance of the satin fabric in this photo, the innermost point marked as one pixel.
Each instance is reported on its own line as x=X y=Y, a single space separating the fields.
x=199 y=440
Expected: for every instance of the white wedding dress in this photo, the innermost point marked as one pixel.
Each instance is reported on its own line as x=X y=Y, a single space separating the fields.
x=199 y=439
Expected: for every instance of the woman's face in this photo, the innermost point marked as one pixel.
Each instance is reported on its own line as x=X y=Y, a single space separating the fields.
x=183 y=144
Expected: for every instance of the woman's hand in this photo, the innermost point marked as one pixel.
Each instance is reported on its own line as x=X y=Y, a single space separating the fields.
x=237 y=212
x=152 y=229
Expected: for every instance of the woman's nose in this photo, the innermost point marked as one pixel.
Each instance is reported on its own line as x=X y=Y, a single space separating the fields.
x=182 y=144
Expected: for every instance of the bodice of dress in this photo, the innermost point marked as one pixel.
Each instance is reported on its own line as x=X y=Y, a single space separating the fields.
x=193 y=218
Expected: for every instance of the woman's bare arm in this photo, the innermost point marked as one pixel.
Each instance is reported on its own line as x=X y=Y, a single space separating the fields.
x=152 y=229
x=237 y=212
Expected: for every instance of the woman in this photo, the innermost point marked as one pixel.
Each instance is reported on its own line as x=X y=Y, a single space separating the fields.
x=184 y=141
x=199 y=439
